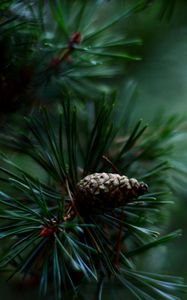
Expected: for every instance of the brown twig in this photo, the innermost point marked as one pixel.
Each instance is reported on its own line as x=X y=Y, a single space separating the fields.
x=72 y=211
x=75 y=39
x=115 y=169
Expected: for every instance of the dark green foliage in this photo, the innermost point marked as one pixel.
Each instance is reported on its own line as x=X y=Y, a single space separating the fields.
x=45 y=242
x=69 y=54
x=58 y=45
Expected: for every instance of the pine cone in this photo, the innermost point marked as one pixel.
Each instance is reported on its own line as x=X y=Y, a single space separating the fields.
x=100 y=192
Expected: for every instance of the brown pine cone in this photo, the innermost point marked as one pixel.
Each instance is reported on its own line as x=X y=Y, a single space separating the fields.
x=100 y=192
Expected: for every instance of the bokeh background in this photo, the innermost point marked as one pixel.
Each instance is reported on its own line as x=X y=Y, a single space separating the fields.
x=161 y=88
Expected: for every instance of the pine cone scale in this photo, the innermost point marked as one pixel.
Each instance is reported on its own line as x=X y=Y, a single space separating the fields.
x=100 y=192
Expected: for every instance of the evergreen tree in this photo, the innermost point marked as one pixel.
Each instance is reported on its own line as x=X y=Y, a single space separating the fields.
x=91 y=201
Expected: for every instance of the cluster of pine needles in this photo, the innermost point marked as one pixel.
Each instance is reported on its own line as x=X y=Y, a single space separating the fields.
x=66 y=131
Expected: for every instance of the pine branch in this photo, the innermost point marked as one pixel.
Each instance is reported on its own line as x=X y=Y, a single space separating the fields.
x=52 y=230
x=84 y=221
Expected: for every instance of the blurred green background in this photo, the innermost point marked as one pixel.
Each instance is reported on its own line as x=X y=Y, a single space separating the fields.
x=161 y=88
